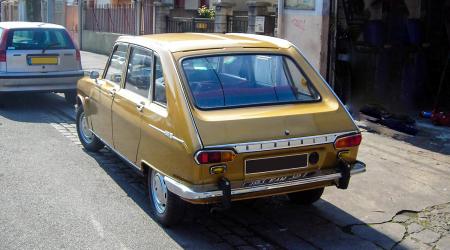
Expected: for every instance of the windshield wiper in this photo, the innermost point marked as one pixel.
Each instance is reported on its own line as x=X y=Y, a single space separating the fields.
x=48 y=46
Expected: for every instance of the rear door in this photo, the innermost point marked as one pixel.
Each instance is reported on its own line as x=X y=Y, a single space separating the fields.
x=40 y=50
x=130 y=100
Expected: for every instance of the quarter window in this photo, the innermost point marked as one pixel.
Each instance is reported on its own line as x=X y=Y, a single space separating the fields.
x=140 y=69
x=160 y=86
x=117 y=64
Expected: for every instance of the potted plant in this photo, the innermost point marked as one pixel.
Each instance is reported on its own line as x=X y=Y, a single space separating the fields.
x=204 y=12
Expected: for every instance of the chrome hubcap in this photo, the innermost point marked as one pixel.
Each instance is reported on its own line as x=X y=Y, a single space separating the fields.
x=159 y=192
x=85 y=132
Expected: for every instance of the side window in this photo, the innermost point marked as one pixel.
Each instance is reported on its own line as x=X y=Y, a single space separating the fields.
x=159 y=85
x=139 y=73
x=263 y=70
x=117 y=64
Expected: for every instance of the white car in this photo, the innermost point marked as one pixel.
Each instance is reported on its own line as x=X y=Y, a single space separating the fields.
x=38 y=57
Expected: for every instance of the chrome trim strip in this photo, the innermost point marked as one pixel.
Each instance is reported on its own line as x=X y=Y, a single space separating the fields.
x=187 y=193
x=283 y=143
x=167 y=134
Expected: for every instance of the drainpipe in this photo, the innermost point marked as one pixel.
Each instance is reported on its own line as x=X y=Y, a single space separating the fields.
x=280 y=31
x=138 y=8
x=50 y=11
x=80 y=23
x=22 y=10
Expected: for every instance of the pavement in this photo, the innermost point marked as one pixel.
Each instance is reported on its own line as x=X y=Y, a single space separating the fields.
x=56 y=195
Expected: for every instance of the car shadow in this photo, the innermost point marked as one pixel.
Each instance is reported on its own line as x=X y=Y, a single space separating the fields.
x=267 y=223
x=34 y=107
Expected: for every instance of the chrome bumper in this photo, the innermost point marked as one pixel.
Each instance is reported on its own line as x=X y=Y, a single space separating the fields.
x=189 y=194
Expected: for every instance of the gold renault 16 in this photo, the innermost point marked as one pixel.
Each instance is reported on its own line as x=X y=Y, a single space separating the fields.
x=214 y=118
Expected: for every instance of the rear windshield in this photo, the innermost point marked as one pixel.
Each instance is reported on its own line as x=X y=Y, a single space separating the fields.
x=246 y=80
x=39 y=39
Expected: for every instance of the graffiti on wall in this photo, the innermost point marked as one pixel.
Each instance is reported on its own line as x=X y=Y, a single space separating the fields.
x=299 y=23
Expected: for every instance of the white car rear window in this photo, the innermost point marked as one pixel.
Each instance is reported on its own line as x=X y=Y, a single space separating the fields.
x=39 y=39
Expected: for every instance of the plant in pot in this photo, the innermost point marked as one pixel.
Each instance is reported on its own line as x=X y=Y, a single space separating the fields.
x=204 y=12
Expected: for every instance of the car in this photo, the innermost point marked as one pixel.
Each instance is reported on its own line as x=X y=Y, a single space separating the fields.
x=38 y=57
x=216 y=118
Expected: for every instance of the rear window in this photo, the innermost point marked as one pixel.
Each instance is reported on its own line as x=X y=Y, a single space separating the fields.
x=39 y=39
x=246 y=80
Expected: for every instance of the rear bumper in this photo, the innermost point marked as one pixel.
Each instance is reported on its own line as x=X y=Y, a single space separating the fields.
x=45 y=82
x=192 y=195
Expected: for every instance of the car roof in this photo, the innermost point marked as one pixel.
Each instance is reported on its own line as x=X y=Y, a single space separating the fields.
x=25 y=25
x=177 y=42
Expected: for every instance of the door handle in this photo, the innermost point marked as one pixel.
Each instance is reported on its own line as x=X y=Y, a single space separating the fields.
x=140 y=106
x=112 y=92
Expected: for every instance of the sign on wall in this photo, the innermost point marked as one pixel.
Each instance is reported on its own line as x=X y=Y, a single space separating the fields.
x=259 y=24
x=300 y=4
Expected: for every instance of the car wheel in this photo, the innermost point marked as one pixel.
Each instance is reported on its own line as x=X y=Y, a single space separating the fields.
x=89 y=141
x=71 y=97
x=307 y=197
x=167 y=208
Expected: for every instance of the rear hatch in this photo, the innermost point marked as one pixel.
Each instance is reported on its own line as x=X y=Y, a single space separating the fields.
x=260 y=97
x=281 y=120
x=40 y=50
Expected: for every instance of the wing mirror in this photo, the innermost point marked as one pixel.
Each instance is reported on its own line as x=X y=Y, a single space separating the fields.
x=94 y=75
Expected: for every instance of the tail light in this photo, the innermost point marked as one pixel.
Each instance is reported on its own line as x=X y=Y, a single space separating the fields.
x=217 y=156
x=348 y=141
x=3 y=42
x=2 y=55
x=78 y=55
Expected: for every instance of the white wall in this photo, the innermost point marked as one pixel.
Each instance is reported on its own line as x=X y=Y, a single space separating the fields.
x=308 y=30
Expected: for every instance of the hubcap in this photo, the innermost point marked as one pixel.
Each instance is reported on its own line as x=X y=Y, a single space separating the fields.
x=159 y=192
x=85 y=132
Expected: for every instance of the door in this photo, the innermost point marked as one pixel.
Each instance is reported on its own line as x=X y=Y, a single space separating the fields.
x=159 y=143
x=102 y=97
x=40 y=50
x=129 y=102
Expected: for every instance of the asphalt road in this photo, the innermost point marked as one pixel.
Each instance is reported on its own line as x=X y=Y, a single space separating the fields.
x=56 y=195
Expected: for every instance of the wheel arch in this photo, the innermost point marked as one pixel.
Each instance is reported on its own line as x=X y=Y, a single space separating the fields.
x=80 y=100
x=145 y=168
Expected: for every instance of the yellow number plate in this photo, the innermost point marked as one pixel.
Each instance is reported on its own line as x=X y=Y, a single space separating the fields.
x=44 y=60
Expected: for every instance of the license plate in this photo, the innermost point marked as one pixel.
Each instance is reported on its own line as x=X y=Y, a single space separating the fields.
x=44 y=60
x=275 y=164
x=275 y=180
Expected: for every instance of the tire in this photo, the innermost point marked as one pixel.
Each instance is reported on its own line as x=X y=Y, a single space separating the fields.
x=307 y=197
x=71 y=97
x=166 y=207
x=2 y=100
x=89 y=141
